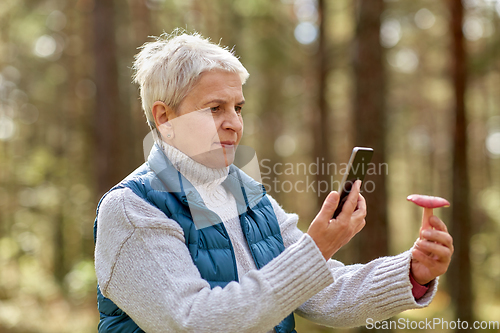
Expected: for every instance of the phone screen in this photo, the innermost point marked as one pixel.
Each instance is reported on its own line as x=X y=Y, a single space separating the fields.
x=358 y=166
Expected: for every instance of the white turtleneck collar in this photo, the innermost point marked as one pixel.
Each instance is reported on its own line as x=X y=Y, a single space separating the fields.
x=207 y=181
x=195 y=172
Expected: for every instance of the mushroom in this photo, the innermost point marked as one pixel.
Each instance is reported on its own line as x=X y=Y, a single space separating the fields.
x=429 y=203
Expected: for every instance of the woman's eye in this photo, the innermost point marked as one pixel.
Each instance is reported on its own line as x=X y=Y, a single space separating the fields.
x=215 y=109
x=238 y=109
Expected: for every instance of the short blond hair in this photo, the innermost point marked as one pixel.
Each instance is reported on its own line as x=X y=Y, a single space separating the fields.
x=167 y=68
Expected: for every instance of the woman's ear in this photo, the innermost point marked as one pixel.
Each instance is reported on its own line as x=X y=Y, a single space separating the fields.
x=162 y=113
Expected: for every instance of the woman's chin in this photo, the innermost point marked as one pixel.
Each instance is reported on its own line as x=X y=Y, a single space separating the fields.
x=217 y=158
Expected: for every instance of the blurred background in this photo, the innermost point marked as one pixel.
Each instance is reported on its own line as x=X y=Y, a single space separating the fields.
x=416 y=80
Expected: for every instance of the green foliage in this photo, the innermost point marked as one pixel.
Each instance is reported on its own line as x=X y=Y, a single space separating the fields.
x=81 y=280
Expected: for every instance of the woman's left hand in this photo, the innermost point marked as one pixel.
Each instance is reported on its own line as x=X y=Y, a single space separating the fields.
x=431 y=252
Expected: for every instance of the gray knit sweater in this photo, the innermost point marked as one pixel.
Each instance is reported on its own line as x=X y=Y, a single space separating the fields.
x=143 y=265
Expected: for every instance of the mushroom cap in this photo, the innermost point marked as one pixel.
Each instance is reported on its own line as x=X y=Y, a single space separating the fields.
x=427 y=201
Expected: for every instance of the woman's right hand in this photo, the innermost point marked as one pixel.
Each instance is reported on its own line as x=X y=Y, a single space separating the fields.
x=331 y=234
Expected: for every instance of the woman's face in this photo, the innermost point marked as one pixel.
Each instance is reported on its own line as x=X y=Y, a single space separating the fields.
x=208 y=125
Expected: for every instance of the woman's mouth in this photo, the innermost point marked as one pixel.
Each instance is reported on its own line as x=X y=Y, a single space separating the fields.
x=227 y=144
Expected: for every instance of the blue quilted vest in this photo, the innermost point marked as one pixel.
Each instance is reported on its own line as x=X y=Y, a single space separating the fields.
x=160 y=184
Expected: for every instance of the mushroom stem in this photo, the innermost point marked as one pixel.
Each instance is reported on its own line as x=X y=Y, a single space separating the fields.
x=426 y=224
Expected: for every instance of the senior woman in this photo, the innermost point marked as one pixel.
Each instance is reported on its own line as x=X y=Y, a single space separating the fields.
x=190 y=243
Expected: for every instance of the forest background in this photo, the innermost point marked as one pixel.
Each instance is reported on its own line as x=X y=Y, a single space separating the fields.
x=416 y=80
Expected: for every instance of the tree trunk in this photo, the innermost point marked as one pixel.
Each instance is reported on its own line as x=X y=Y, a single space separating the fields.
x=460 y=283
x=107 y=107
x=136 y=127
x=321 y=128
x=370 y=127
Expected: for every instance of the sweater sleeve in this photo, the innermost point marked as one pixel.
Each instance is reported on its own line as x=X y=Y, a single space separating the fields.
x=377 y=290
x=144 y=267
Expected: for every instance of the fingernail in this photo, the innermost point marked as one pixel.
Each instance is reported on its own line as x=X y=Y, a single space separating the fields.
x=426 y=233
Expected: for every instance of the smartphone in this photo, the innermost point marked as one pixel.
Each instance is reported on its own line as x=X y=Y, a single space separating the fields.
x=358 y=166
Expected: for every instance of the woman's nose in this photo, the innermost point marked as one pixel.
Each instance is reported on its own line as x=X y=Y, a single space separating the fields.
x=232 y=121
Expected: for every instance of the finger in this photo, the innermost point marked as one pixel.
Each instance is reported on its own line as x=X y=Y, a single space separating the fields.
x=361 y=206
x=360 y=226
x=352 y=200
x=423 y=258
x=437 y=224
x=428 y=259
x=419 y=246
x=329 y=205
x=436 y=251
x=440 y=237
